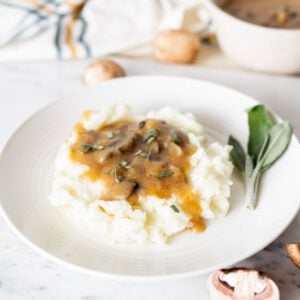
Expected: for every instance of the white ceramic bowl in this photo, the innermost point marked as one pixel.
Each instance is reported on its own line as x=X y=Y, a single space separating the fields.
x=259 y=48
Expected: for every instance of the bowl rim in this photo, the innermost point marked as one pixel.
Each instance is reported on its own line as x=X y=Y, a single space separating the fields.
x=212 y=4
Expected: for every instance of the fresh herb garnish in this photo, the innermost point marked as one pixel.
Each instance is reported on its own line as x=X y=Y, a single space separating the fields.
x=150 y=136
x=125 y=164
x=109 y=134
x=111 y=171
x=174 y=137
x=142 y=124
x=143 y=153
x=267 y=142
x=149 y=153
x=259 y=122
x=91 y=148
x=174 y=208
x=167 y=173
x=237 y=154
x=114 y=171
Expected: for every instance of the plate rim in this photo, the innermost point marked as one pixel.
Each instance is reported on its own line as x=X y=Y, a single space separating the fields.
x=123 y=277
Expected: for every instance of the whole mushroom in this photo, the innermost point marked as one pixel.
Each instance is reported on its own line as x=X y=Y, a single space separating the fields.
x=241 y=284
x=100 y=70
x=177 y=46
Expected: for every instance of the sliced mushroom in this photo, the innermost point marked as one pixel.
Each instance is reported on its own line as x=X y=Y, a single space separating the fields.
x=241 y=284
x=281 y=17
x=293 y=252
x=125 y=143
x=102 y=70
x=120 y=191
x=154 y=147
x=175 y=151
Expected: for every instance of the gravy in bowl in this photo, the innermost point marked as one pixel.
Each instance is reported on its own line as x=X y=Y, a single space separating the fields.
x=268 y=13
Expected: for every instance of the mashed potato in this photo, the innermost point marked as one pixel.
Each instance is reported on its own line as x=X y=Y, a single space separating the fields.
x=154 y=220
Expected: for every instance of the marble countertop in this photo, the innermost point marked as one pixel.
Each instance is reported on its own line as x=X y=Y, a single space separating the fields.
x=24 y=88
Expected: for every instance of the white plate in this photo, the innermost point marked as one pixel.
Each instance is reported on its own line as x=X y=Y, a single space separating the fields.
x=26 y=170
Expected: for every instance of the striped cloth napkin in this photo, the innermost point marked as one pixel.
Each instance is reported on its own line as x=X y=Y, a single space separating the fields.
x=71 y=29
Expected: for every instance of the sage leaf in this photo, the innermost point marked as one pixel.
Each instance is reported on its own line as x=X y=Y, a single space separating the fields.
x=252 y=188
x=237 y=153
x=260 y=122
x=248 y=168
x=280 y=136
x=249 y=174
x=266 y=144
x=263 y=148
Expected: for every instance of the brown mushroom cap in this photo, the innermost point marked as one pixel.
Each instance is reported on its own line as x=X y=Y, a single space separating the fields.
x=293 y=252
x=102 y=70
x=243 y=284
x=177 y=46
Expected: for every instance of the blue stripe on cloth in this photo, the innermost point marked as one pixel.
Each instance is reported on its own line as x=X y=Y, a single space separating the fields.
x=24 y=8
x=53 y=2
x=57 y=37
x=23 y=30
x=41 y=22
x=82 y=36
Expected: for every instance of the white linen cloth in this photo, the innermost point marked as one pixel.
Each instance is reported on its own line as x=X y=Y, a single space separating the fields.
x=69 y=29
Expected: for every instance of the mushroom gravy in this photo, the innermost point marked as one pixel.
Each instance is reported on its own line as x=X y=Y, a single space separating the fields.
x=150 y=158
x=268 y=13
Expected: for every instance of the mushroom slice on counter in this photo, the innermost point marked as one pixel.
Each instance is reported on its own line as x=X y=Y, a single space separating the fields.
x=102 y=70
x=293 y=252
x=241 y=284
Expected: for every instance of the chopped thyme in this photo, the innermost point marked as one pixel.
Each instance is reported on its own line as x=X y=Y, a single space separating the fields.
x=150 y=136
x=175 y=138
x=109 y=134
x=125 y=164
x=144 y=154
x=91 y=148
x=142 y=124
x=114 y=171
x=141 y=153
x=149 y=153
x=162 y=174
x=174 y=208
